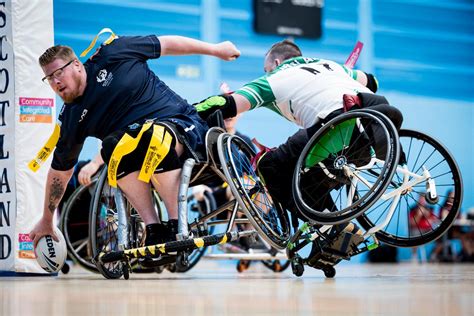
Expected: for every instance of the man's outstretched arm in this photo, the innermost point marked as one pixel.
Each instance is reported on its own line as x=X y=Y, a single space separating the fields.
x=180 y=45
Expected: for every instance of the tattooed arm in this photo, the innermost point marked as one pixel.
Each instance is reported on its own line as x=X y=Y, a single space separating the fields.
x=55 y=186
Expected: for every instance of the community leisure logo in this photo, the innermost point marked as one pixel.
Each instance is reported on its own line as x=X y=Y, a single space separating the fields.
x=36 y=110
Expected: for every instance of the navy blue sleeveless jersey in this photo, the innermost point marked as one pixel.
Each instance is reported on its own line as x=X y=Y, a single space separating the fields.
x=121 y=90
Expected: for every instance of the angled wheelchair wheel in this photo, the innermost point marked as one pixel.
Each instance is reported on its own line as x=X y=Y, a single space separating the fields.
x=419 y=218
x=104 y=229
x=268 y=218
x=74 y=224
x=345 y=167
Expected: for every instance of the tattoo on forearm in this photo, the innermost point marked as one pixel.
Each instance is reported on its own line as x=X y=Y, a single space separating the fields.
x=55 y=194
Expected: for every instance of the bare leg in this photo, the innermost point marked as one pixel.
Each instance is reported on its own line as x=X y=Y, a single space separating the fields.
x=138 y=194
x=167 y=185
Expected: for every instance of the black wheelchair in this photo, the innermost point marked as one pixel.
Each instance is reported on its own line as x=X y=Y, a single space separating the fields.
x=116 y=231
x=74 y=223
x=349 y=172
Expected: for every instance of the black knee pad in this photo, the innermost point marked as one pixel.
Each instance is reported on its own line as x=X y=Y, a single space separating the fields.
x=277 y=178
x=396 y=116
x=108 y=145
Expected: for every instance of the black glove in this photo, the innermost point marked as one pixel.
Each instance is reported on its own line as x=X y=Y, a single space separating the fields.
x=372 y=83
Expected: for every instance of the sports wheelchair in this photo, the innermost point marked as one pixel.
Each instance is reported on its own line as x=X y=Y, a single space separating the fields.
x=116 y=230
x=358 y=168
x=74 y=223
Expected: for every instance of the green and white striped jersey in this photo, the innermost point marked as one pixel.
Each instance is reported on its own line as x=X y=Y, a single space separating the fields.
x=303 y=89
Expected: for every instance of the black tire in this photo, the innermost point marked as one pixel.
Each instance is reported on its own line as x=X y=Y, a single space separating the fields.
x=420 y=150
x=320 y=184
x=276 y=265
x=268 y=218
x=297 y=266
x=103 y=228
x=74 y=224
x=329 y=272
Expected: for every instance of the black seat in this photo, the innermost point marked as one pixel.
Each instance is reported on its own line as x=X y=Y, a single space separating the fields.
x=203 y=171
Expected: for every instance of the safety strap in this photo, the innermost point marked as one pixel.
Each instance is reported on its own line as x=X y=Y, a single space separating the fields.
x=157 y=150
x=47 y=149
x=109 y=40
x=126 y=145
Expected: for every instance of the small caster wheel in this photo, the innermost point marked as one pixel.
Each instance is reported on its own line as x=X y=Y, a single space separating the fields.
x=159 y=269
x=297 y=266
x=171 y=268
x=182 y=260
x=126 y=272
x=66 y=268
x=430 y=200
x=329 y=272
x=243 y=265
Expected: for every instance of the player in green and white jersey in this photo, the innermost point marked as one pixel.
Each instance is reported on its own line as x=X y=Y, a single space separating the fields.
x=306 y=91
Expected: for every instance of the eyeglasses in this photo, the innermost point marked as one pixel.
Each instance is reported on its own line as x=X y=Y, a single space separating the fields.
x=58 y=73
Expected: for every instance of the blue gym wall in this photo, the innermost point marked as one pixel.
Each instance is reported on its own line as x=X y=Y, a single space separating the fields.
x=421 y=52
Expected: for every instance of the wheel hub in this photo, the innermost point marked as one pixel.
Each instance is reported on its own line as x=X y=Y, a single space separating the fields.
x=340 y=161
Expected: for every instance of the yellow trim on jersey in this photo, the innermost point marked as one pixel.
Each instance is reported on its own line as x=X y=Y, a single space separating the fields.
x=109 y=40
x=47 y=149
x=126 y=145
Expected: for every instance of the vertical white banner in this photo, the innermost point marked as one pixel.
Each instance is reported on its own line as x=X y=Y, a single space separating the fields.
x=33 y=33
x=27 y=116
x=7 y=140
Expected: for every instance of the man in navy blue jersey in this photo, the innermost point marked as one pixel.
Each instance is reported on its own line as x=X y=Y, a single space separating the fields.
x=145 y=127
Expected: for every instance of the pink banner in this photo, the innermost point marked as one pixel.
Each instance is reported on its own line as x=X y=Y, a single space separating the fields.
x=351 y=61
x=37 y=101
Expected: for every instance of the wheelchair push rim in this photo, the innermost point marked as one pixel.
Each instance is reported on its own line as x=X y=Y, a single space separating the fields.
x=339 y=159
x=78 y=246
x=268 y=218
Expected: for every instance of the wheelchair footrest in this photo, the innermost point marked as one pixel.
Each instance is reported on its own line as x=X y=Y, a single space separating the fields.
x=330 y=253
x=155 y=251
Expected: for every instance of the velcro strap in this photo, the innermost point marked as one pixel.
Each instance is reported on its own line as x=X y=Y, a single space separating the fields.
x=157 y=150
x=47 y=149
x=126 y=145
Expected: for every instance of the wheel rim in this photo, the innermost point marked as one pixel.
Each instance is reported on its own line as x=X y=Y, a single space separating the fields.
x=338 y=154
x=104 y=227
x=75 y=226
x=413 y=223
x=252 y=195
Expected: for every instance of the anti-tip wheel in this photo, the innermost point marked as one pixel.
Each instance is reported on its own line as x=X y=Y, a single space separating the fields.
x=329 y=272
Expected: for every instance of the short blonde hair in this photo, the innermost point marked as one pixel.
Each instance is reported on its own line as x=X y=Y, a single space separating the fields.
x=59 y=51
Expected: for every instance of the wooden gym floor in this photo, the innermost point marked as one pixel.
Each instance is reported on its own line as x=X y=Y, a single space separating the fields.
x=215 y=288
